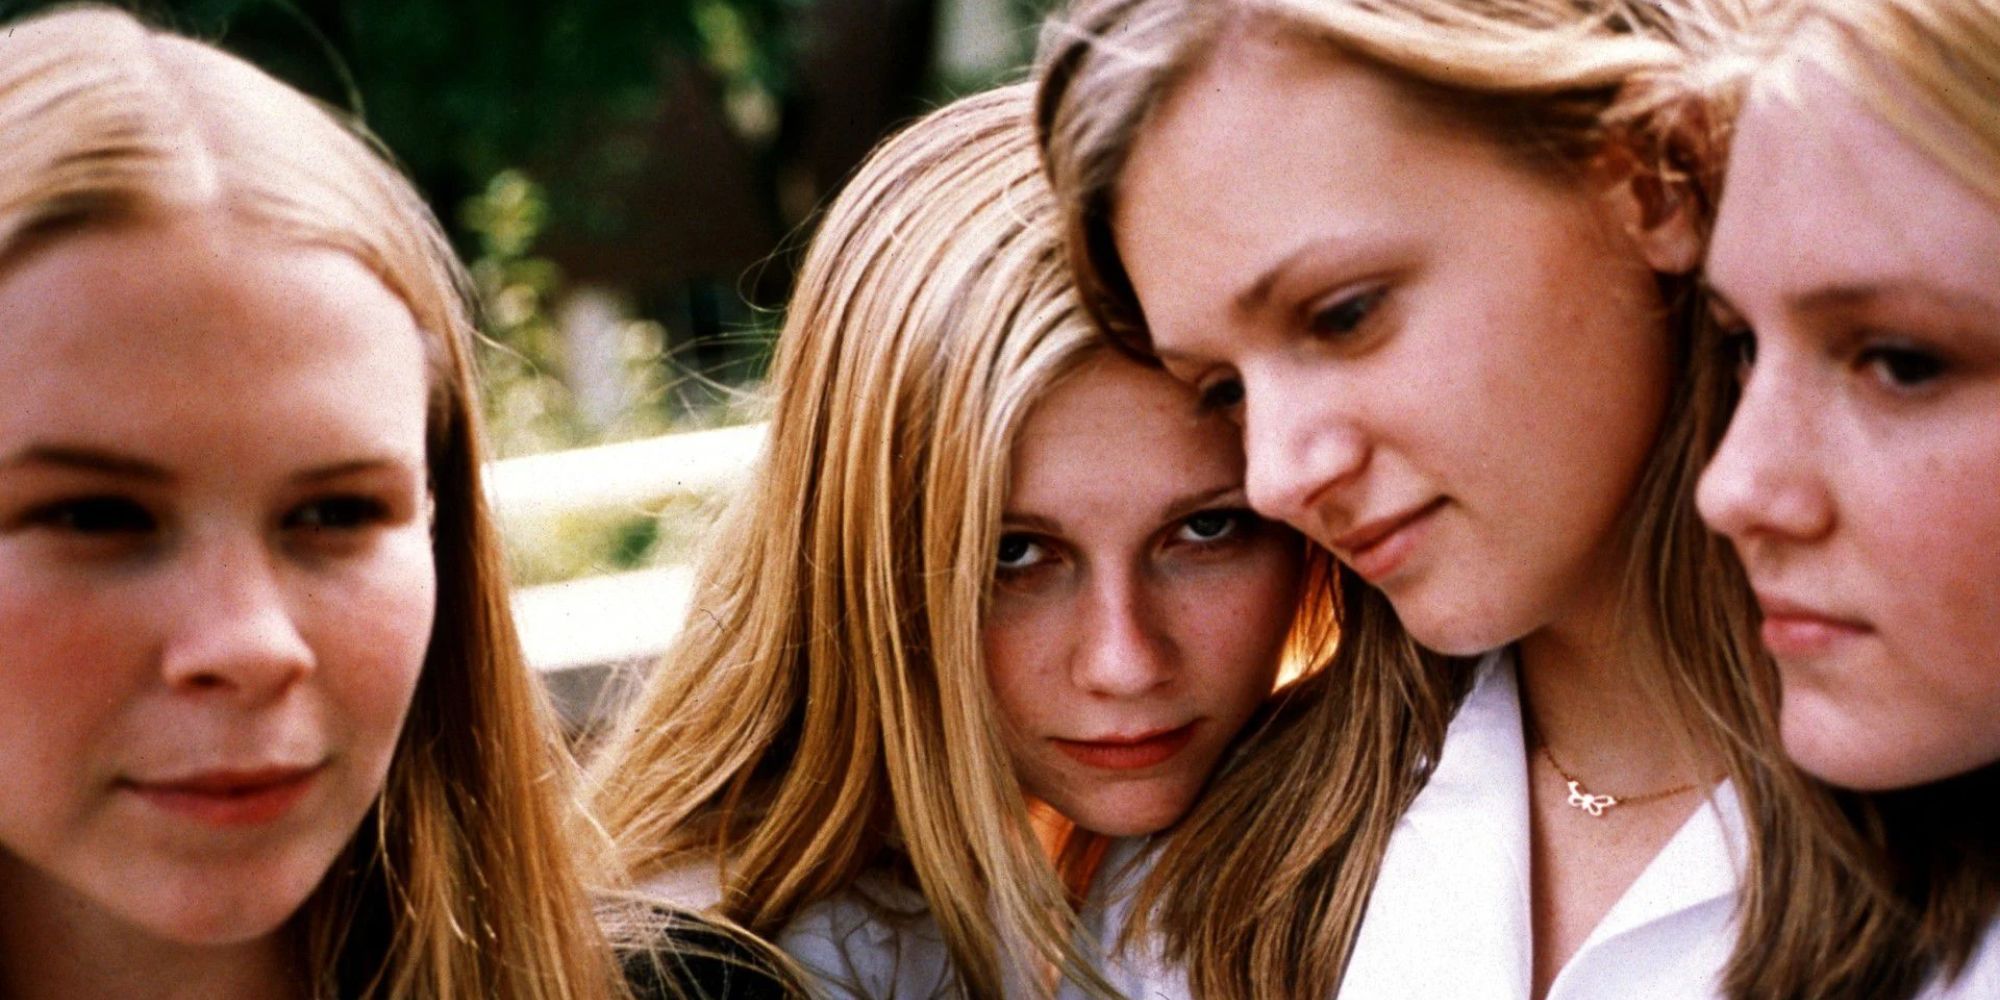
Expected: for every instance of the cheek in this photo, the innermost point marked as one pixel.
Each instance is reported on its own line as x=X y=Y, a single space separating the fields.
x=375 y=632
x=1240 y=621
x=1933 y=532
x=72 y=659
x=1020 y=638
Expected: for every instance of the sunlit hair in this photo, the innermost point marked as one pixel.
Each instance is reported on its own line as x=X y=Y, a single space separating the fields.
x=1927 y=69
x=827 y=708
x=459 y=883
x=1555 y=83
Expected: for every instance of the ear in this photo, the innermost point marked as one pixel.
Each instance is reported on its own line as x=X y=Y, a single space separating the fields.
x=1658 y=209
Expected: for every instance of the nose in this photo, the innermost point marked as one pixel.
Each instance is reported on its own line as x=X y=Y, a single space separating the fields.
x=234 y=629
x=1762 y=483
x=1299 y=444
x=1126 y=647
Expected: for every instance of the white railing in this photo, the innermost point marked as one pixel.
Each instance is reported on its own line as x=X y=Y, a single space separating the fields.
x=622 y=617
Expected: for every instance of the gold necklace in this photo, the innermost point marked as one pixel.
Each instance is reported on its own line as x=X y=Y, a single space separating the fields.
x=1598 y=805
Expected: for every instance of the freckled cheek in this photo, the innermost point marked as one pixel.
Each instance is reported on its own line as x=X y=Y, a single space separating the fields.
x=1021 y=640
x=1237 y=616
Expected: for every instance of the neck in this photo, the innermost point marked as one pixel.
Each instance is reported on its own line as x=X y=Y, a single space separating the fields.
x=1585 y=694
x=56 y=944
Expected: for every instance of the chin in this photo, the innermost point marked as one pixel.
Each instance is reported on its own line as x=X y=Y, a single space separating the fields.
x=1454 y=631
x=1828 y=745
x=1115 y=818
x=1457 y=617
x=223 y=909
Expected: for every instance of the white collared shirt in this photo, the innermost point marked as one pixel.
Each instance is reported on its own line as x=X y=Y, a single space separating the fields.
x=1449 y=917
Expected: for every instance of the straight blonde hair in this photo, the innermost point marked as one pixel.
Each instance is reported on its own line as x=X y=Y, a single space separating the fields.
x=827 y=708
x=1927 y=68
x=1557 y=83
x=460 y=882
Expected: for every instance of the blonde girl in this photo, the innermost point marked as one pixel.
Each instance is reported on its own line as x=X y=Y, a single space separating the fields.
x=266 y=729
x=1434 y=256
x=984 y=561
x=1859 y=243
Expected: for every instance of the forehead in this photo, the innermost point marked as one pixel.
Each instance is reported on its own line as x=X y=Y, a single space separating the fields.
x=193 y=325
x=1822 y=192
x=1277 y=144
x=1115 y=421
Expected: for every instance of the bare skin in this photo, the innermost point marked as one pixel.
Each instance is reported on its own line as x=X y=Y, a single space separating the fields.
x=1607 y=735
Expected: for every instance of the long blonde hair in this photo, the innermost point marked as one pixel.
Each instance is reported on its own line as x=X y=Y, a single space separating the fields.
x=460 y=882
x=1555 y=82
x=827 y=708
x=1926 y=68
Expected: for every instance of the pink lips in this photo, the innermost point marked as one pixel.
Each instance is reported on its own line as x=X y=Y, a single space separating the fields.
x=1380 y=547
x=1795 y=631
x=1129 y=753
x=231 y=798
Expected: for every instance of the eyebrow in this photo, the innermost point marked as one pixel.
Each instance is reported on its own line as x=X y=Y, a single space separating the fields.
x=1254 y=297
x=83 y=458
x=1258 y=293
x=1172 y=510
x=353 y=467
x=86 y=459
x=1834 y=298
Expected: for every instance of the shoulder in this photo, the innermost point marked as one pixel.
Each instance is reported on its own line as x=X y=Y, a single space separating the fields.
x=876 y=938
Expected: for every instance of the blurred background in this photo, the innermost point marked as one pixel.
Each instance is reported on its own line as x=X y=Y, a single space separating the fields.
x=631 y=183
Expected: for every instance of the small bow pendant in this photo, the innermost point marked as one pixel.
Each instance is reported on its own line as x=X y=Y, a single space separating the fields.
x=1592 y=804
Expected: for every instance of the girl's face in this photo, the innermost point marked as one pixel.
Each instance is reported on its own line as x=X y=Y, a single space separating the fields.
x=1139 y=612
x=216 y=583
x=1449 y=370
x=1860 y=478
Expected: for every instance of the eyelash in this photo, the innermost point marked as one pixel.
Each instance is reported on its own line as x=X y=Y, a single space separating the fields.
x=114 y=517
x=349 y=513
x=92 y=515
x=1900 y=367
x=1223 y=395
x=1238 y=522
x=1345 y=316
x=1738 y=349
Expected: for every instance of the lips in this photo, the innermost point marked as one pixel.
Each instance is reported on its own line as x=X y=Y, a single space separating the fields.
x=230 y=798
x=1379 y=547
x=1792 y=630
x=1129 y=753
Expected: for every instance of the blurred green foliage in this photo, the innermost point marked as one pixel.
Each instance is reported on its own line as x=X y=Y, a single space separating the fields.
x=553 y=139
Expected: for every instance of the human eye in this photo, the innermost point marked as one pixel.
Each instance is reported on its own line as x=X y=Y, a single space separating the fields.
x=1345 y=315
x=1221 y=395
x=92 y=516
x=337 y=513
x=1738 y=350
x=1019 y=553
x=1901 y=367
x=1210 y=527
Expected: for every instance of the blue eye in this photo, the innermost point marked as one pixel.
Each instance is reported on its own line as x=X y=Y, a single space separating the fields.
x=1345 y=316
x=94 y=516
